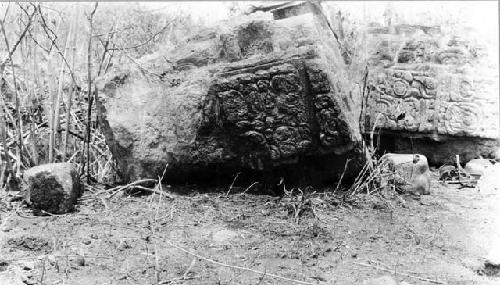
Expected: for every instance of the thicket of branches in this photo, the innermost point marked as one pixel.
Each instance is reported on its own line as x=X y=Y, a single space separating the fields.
x=50 y=57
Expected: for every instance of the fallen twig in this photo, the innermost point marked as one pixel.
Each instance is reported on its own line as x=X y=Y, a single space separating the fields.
x=342 y=176
x=235 y=266
x=232 y=184
x=378 y=267
x=124 y=187
x=248 y=188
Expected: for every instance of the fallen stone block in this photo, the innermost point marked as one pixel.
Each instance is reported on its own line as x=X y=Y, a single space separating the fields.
x=407 y=172
x=53 y=188
x=477 y=167
x=268 y=96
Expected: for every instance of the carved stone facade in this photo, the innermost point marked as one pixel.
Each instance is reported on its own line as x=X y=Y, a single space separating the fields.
x=276 y=113
x=426 y=82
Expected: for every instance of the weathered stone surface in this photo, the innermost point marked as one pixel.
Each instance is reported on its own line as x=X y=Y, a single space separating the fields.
x=53 y=187
x=437 y=85
x=256 y=95
x=409 y=172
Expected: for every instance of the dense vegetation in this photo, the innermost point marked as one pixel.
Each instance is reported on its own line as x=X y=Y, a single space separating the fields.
x=52 y=54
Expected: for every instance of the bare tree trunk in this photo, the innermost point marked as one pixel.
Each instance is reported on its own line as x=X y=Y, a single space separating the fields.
x=33 y=138
x=60 y=88
x=19 y=131
x=3 y=136
x=52 y=91
x=70 y=94
x=89 y=95
x=51 y=107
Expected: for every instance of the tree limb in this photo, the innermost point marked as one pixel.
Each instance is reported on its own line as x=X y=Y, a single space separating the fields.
x=14 y=47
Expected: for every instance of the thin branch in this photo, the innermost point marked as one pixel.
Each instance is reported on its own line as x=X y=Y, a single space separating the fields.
x=112 y=32
x=70 y=95
x=399 y=273
x=342 y=176
x=14 y=47
x=54 y=44
x=17 y=101
x=148 y=40
x=235 y=266
x=232 y=184
x=89 y=95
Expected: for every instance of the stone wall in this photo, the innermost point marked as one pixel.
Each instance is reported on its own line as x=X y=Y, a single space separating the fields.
x=427 y=83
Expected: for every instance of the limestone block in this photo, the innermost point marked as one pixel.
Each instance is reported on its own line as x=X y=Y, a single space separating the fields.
x=408 y=172
x=477 y=167
x=251 y=95
x=53 y=187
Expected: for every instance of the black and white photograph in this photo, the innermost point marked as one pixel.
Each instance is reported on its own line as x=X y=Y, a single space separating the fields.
x=250 y=142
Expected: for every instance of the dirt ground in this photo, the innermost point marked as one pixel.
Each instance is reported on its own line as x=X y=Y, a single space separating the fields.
x=215 y=238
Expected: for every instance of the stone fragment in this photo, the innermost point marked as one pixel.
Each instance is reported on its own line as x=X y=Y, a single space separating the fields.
x=496 y=154
x=408 y=172
x=382 y=280
x=477 y=167
x=53 y=188
x=78 y=260
x=489 y=181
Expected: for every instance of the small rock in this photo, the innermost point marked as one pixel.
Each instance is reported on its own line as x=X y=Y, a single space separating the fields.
x=86 y=242
x=497 y=154
x=93 y=236
x=27 y=264
x=78 y=260
x=53 y=187
x=382 y=280
x=3 y=265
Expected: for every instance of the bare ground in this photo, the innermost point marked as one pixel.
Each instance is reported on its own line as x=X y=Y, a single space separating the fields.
x=215 y=238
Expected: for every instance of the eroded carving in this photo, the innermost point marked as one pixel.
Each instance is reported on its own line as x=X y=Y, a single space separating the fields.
x=278 y=113
x=405 y=100
x=461 y=117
